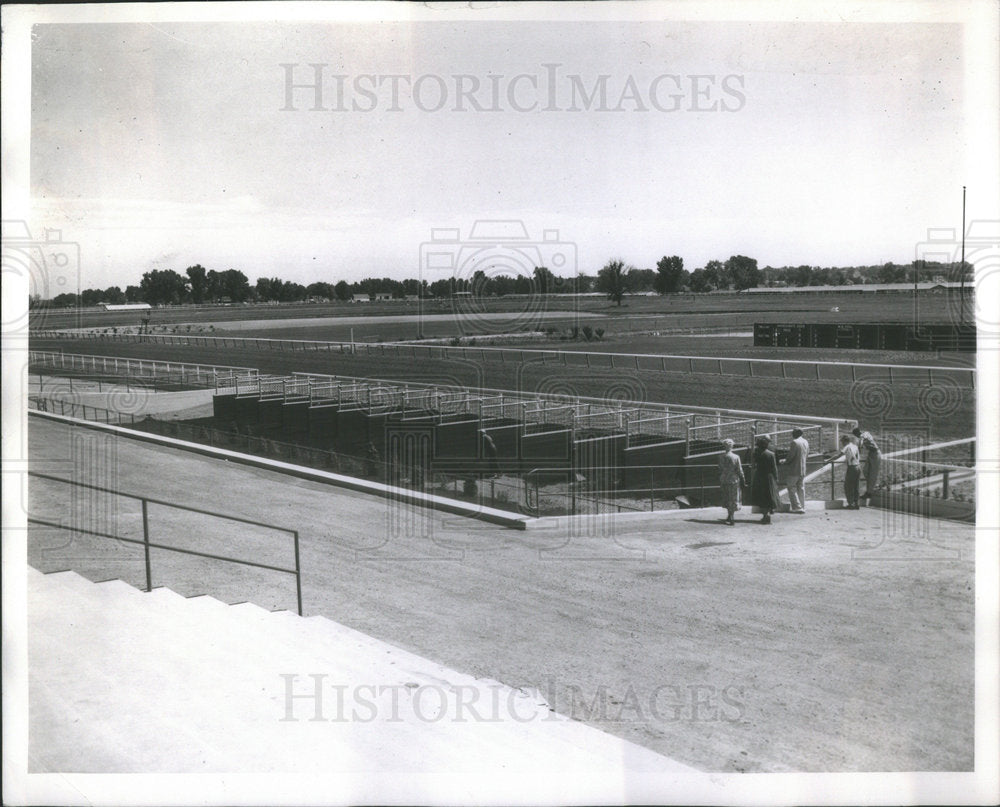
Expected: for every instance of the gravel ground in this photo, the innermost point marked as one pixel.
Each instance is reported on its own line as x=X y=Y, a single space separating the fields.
x=831 y=641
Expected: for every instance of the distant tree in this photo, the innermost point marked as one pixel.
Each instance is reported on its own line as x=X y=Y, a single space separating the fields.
x=641 y=279
x=891 y=273
x=291 y=292
x=268 y=289
x=699 y=281
x=91 y=297
x=716 y=275
x=65 y=300
x=234 y=285
x=114 y=295
x=503 y=284
x=163 y=287
x=612 y=280
x=133 y=295
x=198 y=281
x=480 y=284
x=320 y=289
x=441 y=287
x=836 y=277
x=342 y=290
x=544 y=280
x=742 y=272
x=801 y=276
x=670 y=275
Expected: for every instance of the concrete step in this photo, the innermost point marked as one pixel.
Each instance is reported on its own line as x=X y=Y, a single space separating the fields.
x=124 y=681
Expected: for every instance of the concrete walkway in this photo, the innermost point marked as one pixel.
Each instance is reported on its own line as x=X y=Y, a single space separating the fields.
x=830 y=641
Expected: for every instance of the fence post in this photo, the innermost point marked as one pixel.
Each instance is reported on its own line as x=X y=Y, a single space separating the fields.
x=298 y=573
x=145 y=541
x=944 y=484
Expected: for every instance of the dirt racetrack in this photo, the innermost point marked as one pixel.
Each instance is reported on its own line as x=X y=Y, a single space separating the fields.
x=831 y=641
x=908 y=408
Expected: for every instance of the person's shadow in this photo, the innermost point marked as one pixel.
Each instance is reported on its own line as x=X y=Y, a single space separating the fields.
x=718 y=522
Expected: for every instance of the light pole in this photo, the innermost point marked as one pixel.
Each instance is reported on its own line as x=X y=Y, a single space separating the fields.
x=961 y=268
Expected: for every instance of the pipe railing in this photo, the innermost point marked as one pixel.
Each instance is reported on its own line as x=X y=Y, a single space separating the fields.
x=712 y=365
x=147 y=544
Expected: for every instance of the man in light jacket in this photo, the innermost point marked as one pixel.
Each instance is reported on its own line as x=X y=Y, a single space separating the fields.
x=795 y=471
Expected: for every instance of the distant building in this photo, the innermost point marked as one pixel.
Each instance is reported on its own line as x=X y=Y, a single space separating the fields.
x=126 y=306
x=858 y=288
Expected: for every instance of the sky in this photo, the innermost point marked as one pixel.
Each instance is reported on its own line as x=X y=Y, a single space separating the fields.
x=158 y=145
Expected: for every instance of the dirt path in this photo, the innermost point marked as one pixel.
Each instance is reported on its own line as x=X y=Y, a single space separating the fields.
x=826 y=642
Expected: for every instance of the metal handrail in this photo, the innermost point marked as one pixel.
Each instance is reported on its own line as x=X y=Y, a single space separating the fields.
x=147 y=544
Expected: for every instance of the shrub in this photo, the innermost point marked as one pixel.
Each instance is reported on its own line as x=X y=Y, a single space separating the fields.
x=470 y=488
x=599 y=332
x=588 y=332
x=574 y=332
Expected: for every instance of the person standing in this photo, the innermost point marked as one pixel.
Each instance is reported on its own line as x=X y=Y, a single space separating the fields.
x=795 y=474
x=852 y=474
x=731 y=480
x=490 y=453
x=764 y=489
x=372 y=460
x=873 y=460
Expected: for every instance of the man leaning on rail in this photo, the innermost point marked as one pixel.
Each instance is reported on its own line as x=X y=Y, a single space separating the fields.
x=873 y=460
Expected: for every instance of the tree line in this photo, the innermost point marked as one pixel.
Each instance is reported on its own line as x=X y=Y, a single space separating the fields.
x=200 y=286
